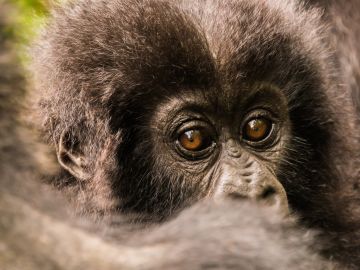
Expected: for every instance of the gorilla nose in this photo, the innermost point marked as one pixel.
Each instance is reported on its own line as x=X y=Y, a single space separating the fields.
x=271 y=193
x=266 y=190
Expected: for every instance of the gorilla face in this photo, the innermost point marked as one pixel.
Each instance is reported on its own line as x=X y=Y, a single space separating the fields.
x=224 y=144
x=160 y=104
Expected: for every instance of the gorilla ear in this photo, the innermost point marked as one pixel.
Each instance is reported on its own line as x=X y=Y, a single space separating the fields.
x=71 y=156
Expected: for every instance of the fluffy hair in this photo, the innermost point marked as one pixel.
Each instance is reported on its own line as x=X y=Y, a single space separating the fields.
x=102 y=67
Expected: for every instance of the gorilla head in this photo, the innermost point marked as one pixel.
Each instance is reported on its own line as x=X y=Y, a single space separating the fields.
x=153 y=105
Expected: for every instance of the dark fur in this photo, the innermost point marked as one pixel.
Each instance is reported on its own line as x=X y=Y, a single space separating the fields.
x=103 y=67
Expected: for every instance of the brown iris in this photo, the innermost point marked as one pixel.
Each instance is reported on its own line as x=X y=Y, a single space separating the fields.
x=195 y=140
x=257 y=129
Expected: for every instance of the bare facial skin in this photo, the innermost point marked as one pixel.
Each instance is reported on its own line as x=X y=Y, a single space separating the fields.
x=210 y=142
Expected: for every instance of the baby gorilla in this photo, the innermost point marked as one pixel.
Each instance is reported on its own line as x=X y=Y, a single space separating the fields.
x=152 y=112
x=152 y=106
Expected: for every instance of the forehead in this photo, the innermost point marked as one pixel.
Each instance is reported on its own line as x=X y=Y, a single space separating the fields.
x=146 y=46
x=221 y=46
x=220 y=42
x=234 y=28
x=150 y=46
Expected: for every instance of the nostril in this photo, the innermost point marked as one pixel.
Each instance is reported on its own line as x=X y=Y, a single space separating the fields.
x=268 y=192
x=237 y=196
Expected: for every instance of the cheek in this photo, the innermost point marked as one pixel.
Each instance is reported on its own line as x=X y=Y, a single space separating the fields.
x=193 y=181
x=283 y=149
x=274 y=156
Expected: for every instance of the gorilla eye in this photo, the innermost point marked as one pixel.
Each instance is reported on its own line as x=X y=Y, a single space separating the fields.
x=257 y=129
x=195 y=140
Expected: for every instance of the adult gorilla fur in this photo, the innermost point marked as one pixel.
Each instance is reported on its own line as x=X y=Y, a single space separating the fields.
x=102 y=68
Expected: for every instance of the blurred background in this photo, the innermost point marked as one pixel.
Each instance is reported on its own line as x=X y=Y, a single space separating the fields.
x=20 y=20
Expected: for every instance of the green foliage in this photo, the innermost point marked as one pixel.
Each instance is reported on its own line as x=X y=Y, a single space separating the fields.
x=28 y=17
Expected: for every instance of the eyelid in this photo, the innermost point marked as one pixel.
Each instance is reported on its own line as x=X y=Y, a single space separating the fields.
x=260 y=112
x=179 y=117
x=192 y=125
x=195 y=124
